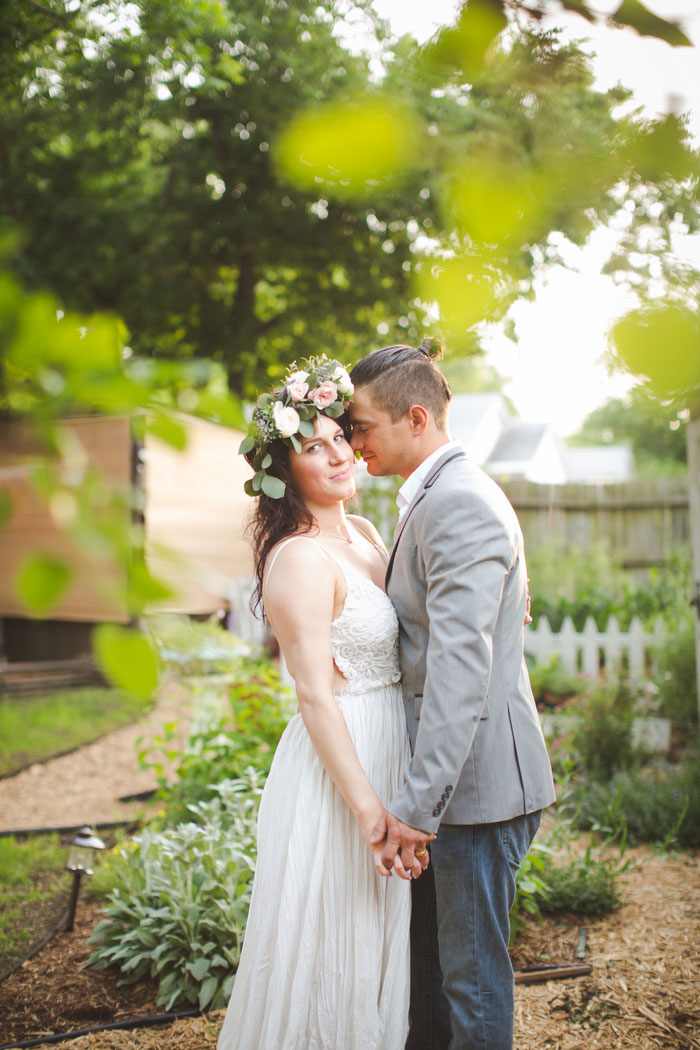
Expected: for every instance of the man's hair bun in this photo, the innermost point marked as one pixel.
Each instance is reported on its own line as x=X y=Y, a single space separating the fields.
x=433 y=347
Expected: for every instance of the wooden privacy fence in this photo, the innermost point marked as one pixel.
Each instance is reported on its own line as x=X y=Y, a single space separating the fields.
x=638 y=523
x=592 y=651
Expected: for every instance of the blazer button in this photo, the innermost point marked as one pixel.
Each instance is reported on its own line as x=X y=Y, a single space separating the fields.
x=445 y=795
x=436 y=812
x=449 y=788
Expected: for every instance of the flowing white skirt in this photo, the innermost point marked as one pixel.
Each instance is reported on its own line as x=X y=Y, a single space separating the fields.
x=325 y=961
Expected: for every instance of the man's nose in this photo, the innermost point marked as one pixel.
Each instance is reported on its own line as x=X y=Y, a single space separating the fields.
x=355 y=441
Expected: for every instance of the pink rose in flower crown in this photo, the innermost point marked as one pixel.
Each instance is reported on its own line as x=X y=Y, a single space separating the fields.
x=324 y=395
x=298 y=390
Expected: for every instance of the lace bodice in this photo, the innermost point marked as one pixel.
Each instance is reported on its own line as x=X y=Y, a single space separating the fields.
x=365 y=636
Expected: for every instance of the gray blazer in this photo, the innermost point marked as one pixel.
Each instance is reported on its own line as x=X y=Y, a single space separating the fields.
x=458 y=582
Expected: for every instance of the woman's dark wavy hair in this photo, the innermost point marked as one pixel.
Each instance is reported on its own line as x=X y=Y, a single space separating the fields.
x=273 y=519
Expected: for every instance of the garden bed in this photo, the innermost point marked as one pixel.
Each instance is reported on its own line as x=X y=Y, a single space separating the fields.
x=642 y=992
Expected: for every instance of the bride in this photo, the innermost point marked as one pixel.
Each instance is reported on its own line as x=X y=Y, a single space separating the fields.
x=325 y=962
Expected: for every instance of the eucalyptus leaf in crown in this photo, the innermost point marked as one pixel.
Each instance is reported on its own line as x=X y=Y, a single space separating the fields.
x=318 y=385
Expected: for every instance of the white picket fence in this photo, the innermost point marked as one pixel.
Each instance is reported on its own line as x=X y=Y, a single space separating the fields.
x=593 y=652
x=589 y=651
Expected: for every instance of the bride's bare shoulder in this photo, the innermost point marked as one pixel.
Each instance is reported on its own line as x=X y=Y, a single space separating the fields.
x=292 y=559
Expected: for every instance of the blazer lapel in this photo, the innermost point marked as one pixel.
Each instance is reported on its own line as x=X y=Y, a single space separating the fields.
x=429 y=482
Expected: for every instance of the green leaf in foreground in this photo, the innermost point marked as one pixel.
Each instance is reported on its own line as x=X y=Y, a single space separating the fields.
x=126 y=658
x=41 y=580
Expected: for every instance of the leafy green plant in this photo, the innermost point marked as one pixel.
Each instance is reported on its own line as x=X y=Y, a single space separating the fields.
x=530 y=889
x=581 y=582
x=587 y=885
x=551 y=682
x=658 y=804
x=258 y=707
x=676 y=675
x=601 y=738
x=179 y=901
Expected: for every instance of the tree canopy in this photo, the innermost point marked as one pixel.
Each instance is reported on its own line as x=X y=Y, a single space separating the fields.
x=237 y=186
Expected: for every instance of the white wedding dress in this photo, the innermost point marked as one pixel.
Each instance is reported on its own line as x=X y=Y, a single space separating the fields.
x=325 y=961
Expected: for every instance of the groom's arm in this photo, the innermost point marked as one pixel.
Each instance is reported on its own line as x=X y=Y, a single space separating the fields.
x=466 y=553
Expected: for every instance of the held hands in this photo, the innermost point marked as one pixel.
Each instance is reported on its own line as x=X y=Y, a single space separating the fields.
x=397 y=847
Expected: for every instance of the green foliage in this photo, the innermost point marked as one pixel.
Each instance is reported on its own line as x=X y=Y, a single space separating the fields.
x=582 y=582
x=555 y=876
x=586 y=885
x=551 y=682
x=246 y=734
x=676 y=675
x=654 y=429
x=126 y=658
x=33 y=728
x=658 y=803
x=601 y=738
x=179 y=900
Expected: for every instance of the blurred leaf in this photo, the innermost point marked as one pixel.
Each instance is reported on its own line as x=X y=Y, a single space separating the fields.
x=126 y=658
x=635 y=14
x=490 y=201
x=144 y=588
x=41 y=580
x=168 y=430
x=662 y=343
x=5 y=507
x=659 y=151
x=579 y=7
x=273 y=487
x=463 y=46
x=350 y=146
x=465 y=292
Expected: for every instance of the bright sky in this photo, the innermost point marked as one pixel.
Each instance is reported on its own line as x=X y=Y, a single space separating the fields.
x=556 y=373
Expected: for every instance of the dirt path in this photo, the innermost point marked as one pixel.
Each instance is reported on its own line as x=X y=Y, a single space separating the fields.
x=85 y=786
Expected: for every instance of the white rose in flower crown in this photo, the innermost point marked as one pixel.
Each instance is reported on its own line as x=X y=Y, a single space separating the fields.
x=296 y=377
x=286 y=419
x=324 y=395
x=343 y=381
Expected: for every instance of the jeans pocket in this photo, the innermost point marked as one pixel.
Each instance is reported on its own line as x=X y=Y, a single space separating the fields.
x=517 y=836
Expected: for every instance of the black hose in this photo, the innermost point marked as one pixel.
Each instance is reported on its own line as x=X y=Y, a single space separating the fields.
x=132 y=1022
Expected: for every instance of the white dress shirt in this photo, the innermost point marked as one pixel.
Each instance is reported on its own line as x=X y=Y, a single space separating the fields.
x=411 y=486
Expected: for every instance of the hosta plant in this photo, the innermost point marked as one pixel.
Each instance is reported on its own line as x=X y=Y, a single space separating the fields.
x=180 y=898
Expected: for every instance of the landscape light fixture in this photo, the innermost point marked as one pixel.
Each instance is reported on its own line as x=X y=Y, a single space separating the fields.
x=81 y=855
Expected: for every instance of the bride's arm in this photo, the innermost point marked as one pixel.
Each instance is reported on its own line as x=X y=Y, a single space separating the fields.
x=299 y=600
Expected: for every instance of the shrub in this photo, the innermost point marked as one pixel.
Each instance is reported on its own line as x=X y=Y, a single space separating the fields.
x=246 y=734
x=179 y=903
x=551 y=682
x=659 y=804
x=601 y=739
x=587 y=885
x=676 y=677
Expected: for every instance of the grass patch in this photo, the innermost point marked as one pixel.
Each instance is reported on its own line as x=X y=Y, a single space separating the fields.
x=33 y=728
x=33 y=892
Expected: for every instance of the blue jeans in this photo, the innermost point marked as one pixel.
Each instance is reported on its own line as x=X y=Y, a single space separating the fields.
x=462 y=987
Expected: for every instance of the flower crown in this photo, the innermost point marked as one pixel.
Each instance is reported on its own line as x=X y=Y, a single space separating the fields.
x=318 y=385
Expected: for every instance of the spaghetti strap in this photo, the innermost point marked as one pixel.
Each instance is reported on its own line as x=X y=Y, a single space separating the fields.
x=290 y=539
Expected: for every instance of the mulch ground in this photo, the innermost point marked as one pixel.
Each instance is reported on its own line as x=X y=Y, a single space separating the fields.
x=643 y=991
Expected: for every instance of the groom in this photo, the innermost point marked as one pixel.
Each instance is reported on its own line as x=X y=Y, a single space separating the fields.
x=479 y=776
